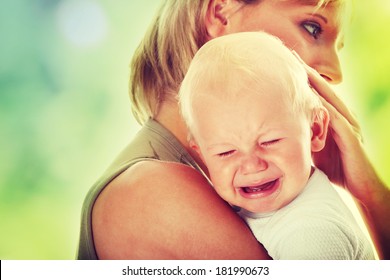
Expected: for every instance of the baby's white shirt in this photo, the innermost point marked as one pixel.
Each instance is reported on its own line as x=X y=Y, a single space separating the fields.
x=316 y=225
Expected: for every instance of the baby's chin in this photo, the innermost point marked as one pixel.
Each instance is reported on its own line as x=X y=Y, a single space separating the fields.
x=260 y=209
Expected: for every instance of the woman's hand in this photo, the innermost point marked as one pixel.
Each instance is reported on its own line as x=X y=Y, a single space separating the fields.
x=343 y=159
x=345 y=162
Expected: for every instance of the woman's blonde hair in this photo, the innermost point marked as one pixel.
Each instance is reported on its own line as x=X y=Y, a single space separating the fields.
x=163 y=57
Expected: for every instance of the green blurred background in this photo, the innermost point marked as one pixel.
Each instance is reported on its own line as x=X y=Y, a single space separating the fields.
x=64 y=108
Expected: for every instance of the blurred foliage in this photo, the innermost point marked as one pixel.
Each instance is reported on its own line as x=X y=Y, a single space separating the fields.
x=64 y=109
x=366 y=63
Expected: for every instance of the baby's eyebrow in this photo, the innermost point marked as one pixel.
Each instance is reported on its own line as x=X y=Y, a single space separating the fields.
x=219 y=145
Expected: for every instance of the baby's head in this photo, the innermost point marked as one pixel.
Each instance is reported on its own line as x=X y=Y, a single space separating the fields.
x=253 y=119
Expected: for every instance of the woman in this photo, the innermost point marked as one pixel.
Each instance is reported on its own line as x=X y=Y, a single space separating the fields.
x=155 y=201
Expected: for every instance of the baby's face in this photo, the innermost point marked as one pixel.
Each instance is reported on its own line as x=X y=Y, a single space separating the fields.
x=257 y=150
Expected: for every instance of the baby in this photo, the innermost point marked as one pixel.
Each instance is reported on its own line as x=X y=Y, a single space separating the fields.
x=255 y=123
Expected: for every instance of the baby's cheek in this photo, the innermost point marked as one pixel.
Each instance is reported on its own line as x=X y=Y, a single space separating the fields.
x=221 y=174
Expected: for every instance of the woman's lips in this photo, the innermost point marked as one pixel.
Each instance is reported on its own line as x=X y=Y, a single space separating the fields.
x=260 y=190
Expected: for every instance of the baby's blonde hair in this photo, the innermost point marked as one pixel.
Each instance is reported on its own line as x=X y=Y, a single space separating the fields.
x=162 y=59
x=228 y=65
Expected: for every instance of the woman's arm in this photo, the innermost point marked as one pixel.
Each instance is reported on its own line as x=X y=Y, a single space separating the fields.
x=160 y=210
x=346 y=163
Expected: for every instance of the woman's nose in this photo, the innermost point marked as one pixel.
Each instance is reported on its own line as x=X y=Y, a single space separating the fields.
x=328 y=66
x=252 y=164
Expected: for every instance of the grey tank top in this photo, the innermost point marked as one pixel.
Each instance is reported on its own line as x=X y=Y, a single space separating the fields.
x=152 y=142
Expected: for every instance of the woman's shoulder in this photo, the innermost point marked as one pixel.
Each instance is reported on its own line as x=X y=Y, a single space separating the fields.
x=166 y=210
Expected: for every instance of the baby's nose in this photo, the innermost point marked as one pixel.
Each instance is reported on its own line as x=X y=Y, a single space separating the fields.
x=252 y=164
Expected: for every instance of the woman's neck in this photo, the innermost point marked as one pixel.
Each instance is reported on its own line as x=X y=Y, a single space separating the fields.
x=169 y=116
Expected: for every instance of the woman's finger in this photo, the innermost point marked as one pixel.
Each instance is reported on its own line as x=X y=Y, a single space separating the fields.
x=343 y=131
x=323 y=89
x=320 y=86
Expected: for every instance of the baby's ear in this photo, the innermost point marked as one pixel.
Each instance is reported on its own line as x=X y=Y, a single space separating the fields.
x=319 y=129
x=193 y=145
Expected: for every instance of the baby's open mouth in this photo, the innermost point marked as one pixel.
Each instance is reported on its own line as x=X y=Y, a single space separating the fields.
x=260 y=188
